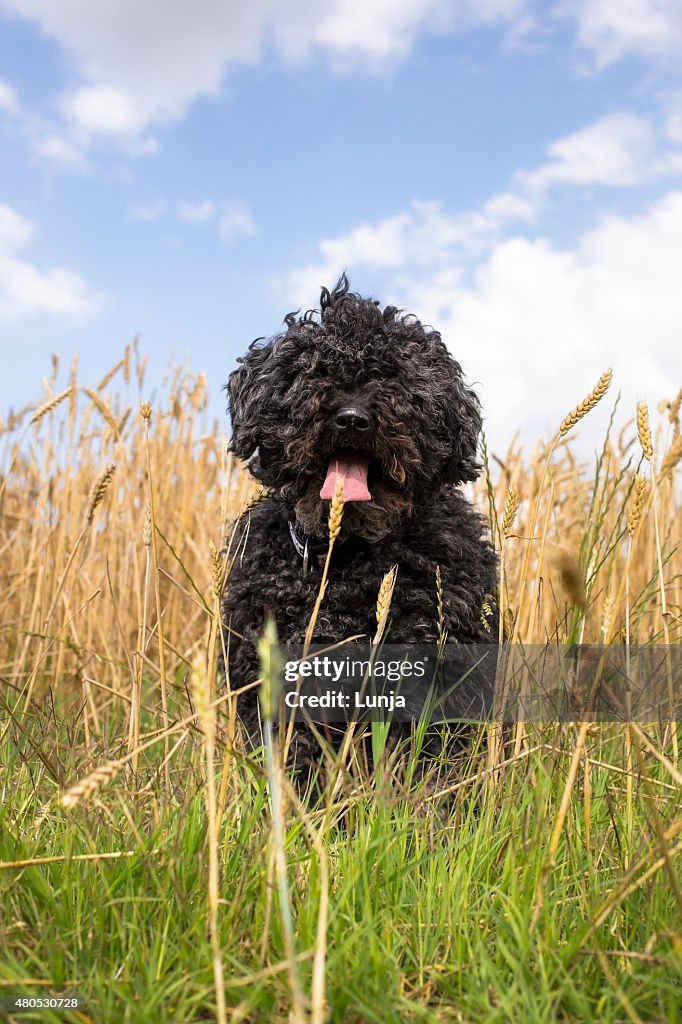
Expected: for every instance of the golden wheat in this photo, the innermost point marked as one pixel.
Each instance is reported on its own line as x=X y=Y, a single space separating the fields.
x=50 y=406
x=103 y=410
x=99 y=489
x=257 y=499
x=216 y=569
x=108 y=377
x=90 y=785
x=200 y=688
x=635 y=510
x=595 y=396
x=571 y=576
x=385 y=595
x=43 y=579
x=644 y=431
x=336 y=510
x=511 y=507
x=671 y=458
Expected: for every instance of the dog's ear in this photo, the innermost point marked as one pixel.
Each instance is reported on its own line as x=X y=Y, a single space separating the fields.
x=246 y=388
x=464 y=427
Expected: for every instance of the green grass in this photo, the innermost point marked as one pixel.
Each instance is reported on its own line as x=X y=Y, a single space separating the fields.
x=431 y=898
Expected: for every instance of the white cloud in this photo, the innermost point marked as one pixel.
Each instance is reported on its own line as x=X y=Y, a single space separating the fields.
x=148 y=211
x=143 y=63
x=421 y=236
x=235 y=222
x=380 y=33
x=673 y=119
x=537 y=320
x=197 y=212
x=612 y=29
x=535 y=325
x=523 y=314
x=56 y=147
x=8 y=98
x=617 y=150
x=103 y=109
x=24 y=289
x=621 y=150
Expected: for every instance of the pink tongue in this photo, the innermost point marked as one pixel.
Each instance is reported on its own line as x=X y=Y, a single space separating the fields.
x=352 y=467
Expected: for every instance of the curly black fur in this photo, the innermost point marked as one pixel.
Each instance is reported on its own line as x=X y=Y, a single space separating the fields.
x=419 y=432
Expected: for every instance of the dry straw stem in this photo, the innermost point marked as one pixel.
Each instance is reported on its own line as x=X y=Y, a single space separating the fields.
x=383 y=607
x=644 y=434
x=595 y=396
x=581 y=410
x=99 y=489
x=200 y=685
x=559 y=823
x=106 y=772
x=270 y=667
x=644 y=431
x=200 y=689
x=146 y=412
x=334 y=523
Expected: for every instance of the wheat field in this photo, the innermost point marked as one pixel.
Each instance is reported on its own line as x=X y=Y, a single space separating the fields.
x=155 y=866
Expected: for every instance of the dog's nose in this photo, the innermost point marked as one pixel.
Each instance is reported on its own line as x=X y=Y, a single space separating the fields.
x=352 y=418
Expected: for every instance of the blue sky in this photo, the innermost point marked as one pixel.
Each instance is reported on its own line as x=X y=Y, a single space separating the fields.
x=509 y=170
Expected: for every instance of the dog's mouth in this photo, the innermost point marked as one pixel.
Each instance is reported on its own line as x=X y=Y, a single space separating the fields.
x=352 y=467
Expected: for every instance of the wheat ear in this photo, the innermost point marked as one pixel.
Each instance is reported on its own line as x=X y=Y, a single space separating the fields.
x=644 y=431
x=595 y=396
x=99 y=489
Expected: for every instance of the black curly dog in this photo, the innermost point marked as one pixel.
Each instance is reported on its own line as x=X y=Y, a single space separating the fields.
x=375 y=396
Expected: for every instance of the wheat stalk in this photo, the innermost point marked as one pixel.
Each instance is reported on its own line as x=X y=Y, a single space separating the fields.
x=672 y=457
x=334 y=524
x=674 y=410
x=595 y=396
x=511 y=507
x=46 y=409
x=384 y=602
x=254 y=501
x=637 y=502
x=91 y=784
x=99 y=489
x=103 y=410
x=200 y=686
x=336 y=510
x=216 y=570
x=644 y=431
x=108 y=377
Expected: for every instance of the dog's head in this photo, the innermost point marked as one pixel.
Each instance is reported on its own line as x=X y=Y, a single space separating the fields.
x=357 y=391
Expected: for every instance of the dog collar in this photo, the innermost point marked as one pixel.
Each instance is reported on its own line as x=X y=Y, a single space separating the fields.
x=306 y=547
